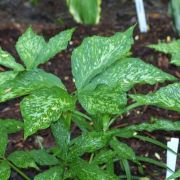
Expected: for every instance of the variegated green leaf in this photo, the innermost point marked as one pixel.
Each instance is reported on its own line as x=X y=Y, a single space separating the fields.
x=85 y=171
x=5 y=170
x=123 y=150
x=11 y=125
x=43 y=107
x=26 y=82
x=97 y=53
x=103 y=100
x=34 y=50
x=22 y=159
x=54 y=173
x=166 y=97
x=3 y=141
x=6 y=76
x=127 y=72
x=8 y=61
x=172 y=48
x=86 y=12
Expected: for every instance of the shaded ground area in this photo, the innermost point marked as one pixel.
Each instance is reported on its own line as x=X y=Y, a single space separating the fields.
x=48 y=18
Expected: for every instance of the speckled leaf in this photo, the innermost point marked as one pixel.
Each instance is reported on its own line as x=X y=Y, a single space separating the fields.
x=166 y=97
x=5 y=170
x=86 y=12
x=11 y=125
x=6 y=76
x=172 y=48
x=42 y=158
x=125 y=73
x=34 y=50
x=123 y=150
x=8 y=61
x=54 y=173
x=97 y=53
x=90 y=142
x=3 y=141
x=22 y=159
x=103 y=100
x=85 y=171
x=26 y=82
x=174 y=175
x=43 y=107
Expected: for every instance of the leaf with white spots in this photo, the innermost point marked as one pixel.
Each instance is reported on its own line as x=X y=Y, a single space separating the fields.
x=172 y=48
x=5 y=170
x=54 y=173
x=96 y=53
x=43 y=107
x=167 y=97
x=6 y=76
x=127 y=72
x=26 y=82
x=34 y=50
x=8 y=61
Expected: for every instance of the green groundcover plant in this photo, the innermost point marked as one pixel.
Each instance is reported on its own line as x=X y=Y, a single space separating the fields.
x=104 y=73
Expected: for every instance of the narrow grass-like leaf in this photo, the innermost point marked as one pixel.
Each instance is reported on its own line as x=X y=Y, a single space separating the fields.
x=125 y=164
x=174 y=175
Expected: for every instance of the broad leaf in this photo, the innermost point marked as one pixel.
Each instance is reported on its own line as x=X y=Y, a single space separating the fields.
x=62 y=136
x=43 y=107
x=97 y=53
x=22 y=159
x=123 y=150
x=104 y=156
x=85 y=171
x=103 y=100
x=89 y=142
x=86 y=12
x=54 y=173
x=26 y=82
x=166 y=97
x=8 y=61
x=42 y=158
x=11 y=125
x=5 y=170
x=172 y=48
x=174 y=175
x=3 y=141
x=127 y=72
x=6 y=76
x=34 y=50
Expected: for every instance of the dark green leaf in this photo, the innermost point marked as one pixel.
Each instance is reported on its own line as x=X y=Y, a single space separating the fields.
x=11 y=125
x=172 y=48
x=103 y=100
x=85 y=171
x=43 y=107
x=42 y=158
x=6 y=76
x=90 y=142
x=54 y=173
x=166 y=97
x=174 y=175
x=86 y=12
x=22 y=159
x=8 y=61
x=26 y=82
x=5 y=170
x=123 y=150
x=34 y=50
x=97 y=53
x=104 y=156
x=3 y=141
x=127 y=72
x=62 y=136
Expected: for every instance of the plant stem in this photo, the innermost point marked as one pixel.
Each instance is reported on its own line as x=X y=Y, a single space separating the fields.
x=18 y=171
x=82 y=115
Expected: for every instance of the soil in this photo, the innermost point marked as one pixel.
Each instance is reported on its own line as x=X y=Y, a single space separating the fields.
x=50 y=17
